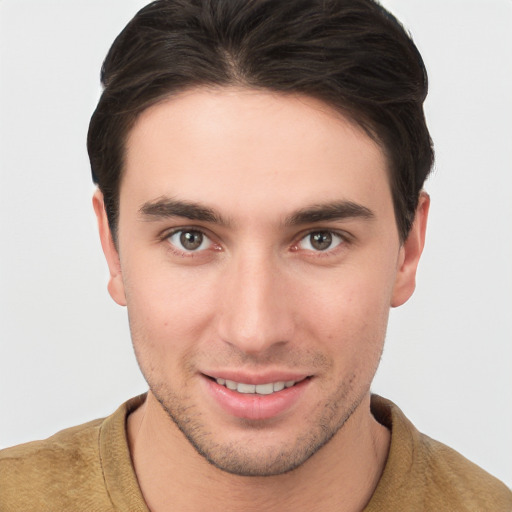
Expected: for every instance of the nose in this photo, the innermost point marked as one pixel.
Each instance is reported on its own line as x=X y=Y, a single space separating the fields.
x=256 y=308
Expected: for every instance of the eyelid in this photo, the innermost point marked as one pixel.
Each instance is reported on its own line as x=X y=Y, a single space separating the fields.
x=167 y=234
x=204 y=241
x=344 y=237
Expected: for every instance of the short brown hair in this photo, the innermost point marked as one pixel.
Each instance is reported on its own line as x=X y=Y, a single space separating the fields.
x=351 y=54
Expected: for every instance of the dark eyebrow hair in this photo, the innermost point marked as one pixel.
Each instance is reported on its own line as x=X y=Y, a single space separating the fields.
x=165 y=207
x=330 y=211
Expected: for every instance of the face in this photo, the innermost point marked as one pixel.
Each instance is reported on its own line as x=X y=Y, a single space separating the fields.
x=258 y=256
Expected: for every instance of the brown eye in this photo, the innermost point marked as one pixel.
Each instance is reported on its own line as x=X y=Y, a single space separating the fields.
x=189 y=240
x=320 y=241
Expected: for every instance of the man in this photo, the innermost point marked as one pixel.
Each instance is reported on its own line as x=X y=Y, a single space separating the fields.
x=260 y=169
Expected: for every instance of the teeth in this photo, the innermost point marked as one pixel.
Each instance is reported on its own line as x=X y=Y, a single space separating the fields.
x=231 y=385
x=246 y=388
x=259 y=389
x=278 y=386
x=265 y=389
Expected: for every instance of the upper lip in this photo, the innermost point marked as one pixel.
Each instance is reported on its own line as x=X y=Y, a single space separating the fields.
x=256 y=378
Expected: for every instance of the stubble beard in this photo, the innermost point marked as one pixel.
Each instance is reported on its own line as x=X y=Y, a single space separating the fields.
x=248 y=458
x=239 y=459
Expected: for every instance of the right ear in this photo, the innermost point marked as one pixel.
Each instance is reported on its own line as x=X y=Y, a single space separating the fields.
x=115 y=283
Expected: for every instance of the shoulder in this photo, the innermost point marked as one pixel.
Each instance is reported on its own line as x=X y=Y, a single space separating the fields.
x=60 y=444
x=55 y=471
x=82 y=468
x=424 y=474
x=459 y=482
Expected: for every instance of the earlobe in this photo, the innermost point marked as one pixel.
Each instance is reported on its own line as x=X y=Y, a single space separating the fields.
x=410 y=253
x=115 y=284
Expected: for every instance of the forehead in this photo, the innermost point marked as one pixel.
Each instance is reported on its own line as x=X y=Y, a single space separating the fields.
x=243 y=150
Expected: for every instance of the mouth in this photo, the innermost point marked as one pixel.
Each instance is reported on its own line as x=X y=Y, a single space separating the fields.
x=262 y=398
x=257 y=389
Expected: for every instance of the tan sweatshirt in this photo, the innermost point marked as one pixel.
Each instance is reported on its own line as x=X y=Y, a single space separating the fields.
x=88 y=468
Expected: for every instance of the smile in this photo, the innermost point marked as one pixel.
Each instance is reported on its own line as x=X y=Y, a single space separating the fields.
x=258 y=389
x=261 y=398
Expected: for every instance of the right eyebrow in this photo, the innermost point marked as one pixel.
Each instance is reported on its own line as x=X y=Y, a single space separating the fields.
x=165 y=207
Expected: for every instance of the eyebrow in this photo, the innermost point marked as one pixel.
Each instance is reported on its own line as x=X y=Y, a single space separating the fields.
x=338 y=210
x=165 y=207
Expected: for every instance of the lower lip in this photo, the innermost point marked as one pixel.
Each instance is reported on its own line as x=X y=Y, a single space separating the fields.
x=253 y=406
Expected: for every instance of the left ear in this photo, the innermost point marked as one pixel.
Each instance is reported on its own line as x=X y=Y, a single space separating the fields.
x=410 y=253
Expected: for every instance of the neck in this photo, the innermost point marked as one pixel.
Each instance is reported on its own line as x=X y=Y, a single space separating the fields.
x=341 y=476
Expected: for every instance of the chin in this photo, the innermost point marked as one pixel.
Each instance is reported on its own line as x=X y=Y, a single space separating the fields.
x=258 y=448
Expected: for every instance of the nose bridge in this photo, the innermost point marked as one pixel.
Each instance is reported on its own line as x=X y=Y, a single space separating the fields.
x=255 y=313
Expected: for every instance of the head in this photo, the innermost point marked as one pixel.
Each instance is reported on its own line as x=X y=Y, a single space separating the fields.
x=260 y=166
x=352 y=55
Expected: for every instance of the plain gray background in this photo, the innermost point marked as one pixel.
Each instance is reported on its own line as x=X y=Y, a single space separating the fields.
x=65 y=352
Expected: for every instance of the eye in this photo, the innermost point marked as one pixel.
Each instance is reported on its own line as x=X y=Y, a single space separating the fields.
x=320 y=241
x=189 y=240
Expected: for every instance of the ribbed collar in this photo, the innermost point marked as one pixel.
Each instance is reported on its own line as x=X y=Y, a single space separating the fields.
x=404 y=464
x=403 y=459
x=118 y=471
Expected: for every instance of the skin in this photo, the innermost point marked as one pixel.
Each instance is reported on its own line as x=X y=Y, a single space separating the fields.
x=257 y=299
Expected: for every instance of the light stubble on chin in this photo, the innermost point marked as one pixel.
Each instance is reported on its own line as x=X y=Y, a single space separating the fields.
x=245 y=458
x=249 y=459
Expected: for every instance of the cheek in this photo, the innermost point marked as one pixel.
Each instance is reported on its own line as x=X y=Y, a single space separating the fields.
x=168 y=312
x=348 y=311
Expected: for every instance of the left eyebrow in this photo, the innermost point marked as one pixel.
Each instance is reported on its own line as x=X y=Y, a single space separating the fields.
x=339 y=210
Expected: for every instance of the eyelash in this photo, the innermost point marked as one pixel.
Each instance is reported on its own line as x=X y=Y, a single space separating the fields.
x=188 y=253
x=344 y=240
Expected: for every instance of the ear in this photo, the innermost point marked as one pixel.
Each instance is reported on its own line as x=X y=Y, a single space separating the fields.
x=410 y=253
x=115 y=284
